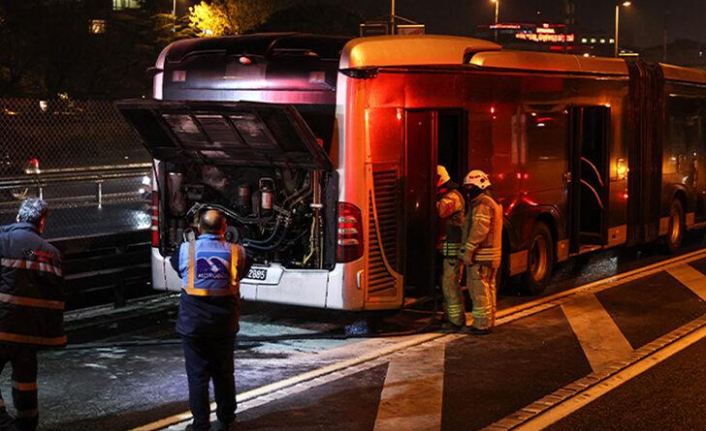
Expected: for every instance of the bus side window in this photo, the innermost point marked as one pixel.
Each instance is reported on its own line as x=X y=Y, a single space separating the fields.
x=546 y=136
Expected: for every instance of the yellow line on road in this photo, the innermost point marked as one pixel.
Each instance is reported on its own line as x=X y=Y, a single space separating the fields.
x=600 y=337
x=503 y=317
x=543 y=303
x=310 y=375
x=576 y=403
x=411 y=399
x=691 y=278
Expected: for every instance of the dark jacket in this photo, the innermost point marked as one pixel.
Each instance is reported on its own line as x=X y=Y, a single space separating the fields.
x=31 y=288
x=211 y=307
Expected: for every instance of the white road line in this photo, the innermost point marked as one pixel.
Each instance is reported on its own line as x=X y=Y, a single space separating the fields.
x=541 y=304
x=691 y=278
x=503 y=317
x=576 y=403
x=411 y=399
x=304 y=377
x=600 y=337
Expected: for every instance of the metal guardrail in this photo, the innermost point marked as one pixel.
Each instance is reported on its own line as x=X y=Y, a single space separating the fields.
x=40 y=179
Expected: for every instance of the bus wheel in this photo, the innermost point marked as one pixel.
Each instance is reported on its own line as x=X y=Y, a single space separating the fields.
x=675 y=234
x=540 y=260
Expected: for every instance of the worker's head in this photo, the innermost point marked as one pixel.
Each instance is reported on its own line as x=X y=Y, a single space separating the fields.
x=475 y=182
x=442 y=176
x=213 y=222
x=33 y=211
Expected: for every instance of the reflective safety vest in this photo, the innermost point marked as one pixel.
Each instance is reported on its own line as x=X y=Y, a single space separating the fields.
x=31 y=288
x=210 y=269
x=450 y=211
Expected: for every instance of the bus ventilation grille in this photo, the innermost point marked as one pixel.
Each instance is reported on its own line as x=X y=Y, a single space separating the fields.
x=381 y=282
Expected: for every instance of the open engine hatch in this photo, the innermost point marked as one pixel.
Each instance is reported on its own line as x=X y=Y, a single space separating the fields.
x=226 y=133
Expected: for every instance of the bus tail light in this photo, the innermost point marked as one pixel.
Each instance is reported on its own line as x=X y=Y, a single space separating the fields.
x=350 y=233
x=155 y=218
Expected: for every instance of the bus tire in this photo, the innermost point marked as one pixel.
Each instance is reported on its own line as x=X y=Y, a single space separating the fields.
x=540 y=260
x=675 y=233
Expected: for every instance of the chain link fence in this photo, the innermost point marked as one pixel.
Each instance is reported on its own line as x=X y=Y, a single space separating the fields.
x=82 y=158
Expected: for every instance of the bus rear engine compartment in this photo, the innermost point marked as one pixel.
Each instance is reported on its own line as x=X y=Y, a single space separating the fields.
x=277 y=214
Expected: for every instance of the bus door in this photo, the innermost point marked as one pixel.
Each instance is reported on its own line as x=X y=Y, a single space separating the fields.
x=430 y=136
x=588 y=177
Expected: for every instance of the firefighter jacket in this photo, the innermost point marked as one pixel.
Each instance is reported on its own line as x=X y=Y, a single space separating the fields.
x=210 y=269
x=450 y=209
x=484 y=231
x=31 y=288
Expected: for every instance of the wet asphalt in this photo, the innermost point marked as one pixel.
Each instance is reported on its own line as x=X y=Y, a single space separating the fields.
x=118 y=378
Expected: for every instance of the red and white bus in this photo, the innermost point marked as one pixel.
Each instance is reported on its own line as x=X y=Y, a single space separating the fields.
x=323 y=152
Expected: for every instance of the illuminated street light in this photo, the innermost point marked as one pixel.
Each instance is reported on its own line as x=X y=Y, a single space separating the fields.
x=617 y=24
x=497 y=14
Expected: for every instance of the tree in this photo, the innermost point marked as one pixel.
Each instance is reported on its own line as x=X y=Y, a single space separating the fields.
x=314 y=17
x=229 y=17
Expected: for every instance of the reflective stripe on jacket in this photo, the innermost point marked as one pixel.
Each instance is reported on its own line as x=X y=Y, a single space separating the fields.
x=210 y=269
x=31 y=288
x=450 y=208
x=485 y=237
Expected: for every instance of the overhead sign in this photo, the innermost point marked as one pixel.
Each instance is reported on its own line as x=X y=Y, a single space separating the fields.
x=411 y=29
x=374 y=29
x=545 y=34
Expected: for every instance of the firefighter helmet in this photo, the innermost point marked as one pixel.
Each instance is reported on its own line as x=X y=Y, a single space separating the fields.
x=477 y=178
x=443 y=176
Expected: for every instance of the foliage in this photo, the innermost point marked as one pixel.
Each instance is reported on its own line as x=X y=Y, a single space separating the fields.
x=314 y=17
x=229 y=17
x=46 y=48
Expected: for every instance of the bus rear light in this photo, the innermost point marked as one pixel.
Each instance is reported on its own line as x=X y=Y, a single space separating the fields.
x=350 y=237
x=155 y=218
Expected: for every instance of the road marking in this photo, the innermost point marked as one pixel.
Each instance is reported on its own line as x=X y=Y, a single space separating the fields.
x=503 y=317
x=547 y=302
x=691 y=278
x=600 y=337
x=309 y=375
x=583 y=398
x=411 y=399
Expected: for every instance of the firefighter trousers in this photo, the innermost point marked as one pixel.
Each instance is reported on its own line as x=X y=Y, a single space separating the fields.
x=481 y=282
x=23 y=360
x=450 y=286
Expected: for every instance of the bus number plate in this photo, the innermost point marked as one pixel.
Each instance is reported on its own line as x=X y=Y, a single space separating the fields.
x=257 y=274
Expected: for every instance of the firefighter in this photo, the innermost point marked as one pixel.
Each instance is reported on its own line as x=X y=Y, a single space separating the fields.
x=482 y=250
x=209 y=310
x=31 y=308
x=450 y=207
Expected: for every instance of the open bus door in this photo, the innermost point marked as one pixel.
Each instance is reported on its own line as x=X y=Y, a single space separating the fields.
x=588 y=177
x=431 y=137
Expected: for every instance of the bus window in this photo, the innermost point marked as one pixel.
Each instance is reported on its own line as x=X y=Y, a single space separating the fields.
x=686 y=139
x=546 y=160
x=451 y=132
x=544 y=130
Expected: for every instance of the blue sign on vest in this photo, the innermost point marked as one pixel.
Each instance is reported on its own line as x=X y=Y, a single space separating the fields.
x=212 y=265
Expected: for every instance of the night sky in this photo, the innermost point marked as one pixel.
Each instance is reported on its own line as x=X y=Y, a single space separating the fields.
x=641 y=25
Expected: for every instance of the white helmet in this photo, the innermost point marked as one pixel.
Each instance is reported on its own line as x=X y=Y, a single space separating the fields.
x=443 y=176
x=478 y=179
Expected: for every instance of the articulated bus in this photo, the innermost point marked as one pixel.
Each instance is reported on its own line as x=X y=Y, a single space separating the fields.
x=322 y=151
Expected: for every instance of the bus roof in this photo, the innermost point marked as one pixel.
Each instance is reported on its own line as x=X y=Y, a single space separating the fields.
x=677 y=73
x=380 y=51
x=545 y=62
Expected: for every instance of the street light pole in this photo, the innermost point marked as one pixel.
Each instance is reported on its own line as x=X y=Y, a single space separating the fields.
x=174 y=17
x=497 y=15
x=617 y=26
x=392 y=17
x=617 y=29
